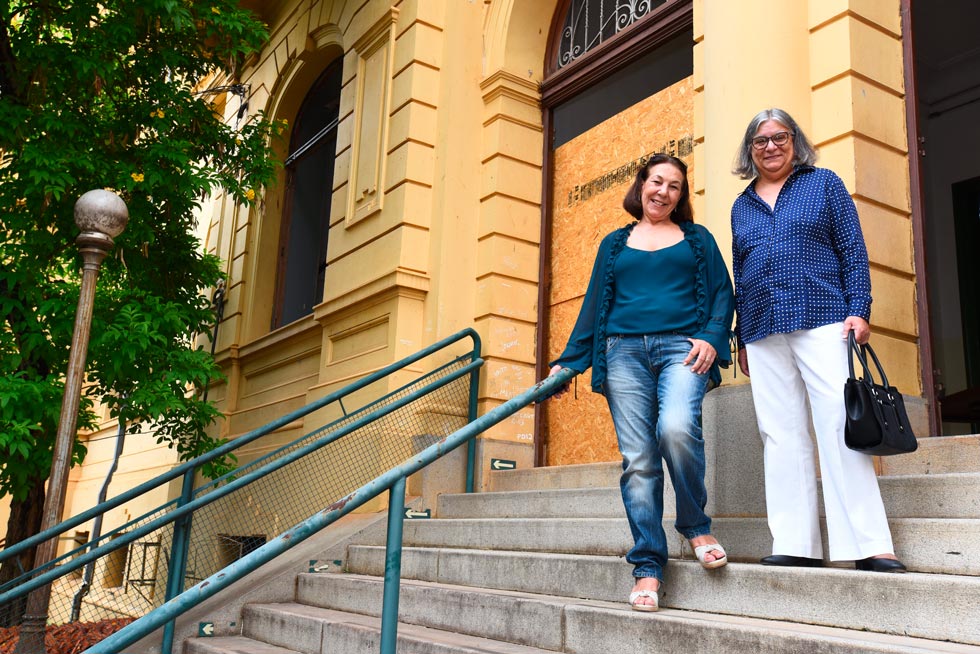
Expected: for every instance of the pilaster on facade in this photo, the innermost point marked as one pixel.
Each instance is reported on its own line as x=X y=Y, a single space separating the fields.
x=382 y=202
x=508 y=243
x=858 y=107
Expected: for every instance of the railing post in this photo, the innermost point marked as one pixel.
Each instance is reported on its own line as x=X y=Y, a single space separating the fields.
x=393 y=566
x=471 y=416
x=177 y=567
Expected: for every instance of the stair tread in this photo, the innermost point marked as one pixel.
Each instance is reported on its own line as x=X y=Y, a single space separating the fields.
x=829 y=566
x=406 y=631
x=934 y=545
x=688 y=618
x=233 y=645
x=838 y=596
x=600 y=466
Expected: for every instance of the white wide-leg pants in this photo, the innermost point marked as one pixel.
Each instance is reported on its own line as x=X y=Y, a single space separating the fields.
x=783 y=367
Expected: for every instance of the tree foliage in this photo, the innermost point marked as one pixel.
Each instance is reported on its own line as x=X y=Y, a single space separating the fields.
x=108 y=94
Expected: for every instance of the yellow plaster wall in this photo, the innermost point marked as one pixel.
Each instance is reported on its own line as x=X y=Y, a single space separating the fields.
x=4 y=512
x=748 y=56
x=837 y=68
x=142 y=459
x=462 y=169
x=454 y=156
x=857 y=94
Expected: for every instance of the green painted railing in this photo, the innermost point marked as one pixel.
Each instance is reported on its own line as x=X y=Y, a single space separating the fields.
x=392 y=481
x=196 y=516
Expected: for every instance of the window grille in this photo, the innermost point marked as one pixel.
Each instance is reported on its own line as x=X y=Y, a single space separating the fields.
x=589 y=23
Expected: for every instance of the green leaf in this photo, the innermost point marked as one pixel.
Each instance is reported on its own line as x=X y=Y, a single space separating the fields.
x=66 y=129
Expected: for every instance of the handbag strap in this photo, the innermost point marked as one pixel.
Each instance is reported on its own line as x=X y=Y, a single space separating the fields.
x=874 y=357
x=862 y=352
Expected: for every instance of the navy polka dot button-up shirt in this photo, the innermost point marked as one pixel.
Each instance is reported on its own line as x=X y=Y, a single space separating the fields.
x=802 y=264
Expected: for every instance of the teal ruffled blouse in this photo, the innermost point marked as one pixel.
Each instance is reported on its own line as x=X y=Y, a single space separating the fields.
x=712 y=290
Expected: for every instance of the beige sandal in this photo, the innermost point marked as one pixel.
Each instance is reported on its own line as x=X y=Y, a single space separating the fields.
x=701 y=550
x=637 y=594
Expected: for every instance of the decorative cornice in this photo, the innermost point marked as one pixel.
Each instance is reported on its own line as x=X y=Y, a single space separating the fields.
x=376 y=31
x=397 y=283
x=296 y=329
x=506 y=80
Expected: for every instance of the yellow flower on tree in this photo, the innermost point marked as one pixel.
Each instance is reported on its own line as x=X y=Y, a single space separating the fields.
x=137 y=177
x=250 y=194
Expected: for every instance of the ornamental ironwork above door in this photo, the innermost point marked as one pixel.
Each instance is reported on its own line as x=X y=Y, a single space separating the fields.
x=590 y=22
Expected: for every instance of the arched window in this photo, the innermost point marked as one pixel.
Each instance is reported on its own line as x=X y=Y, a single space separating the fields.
x=305 y=226
x=590 y=22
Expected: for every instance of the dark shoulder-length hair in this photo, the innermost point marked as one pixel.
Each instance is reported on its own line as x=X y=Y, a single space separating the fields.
x=804 y=153
x=633 y=202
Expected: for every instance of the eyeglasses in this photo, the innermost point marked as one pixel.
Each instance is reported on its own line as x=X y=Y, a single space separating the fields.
x=779 y=139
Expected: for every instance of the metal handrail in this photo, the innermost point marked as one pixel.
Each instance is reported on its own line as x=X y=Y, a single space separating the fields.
x=393 y=481
x=124 y=538
x=245 y=439
x=178 y=512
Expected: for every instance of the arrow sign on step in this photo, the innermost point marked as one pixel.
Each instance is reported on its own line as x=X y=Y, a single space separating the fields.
x=412 y=514
x=502 y=464
x=205 y=629
x=316 y=566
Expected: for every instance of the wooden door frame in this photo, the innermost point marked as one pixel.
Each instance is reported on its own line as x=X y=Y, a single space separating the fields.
x=669 y=20
x=918 y=216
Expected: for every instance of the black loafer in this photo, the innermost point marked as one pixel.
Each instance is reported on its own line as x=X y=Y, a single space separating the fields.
x=787 y=560
x=880 y=565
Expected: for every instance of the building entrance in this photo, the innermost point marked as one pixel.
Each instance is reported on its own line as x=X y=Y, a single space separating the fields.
x=599 y=139
x=947 y=77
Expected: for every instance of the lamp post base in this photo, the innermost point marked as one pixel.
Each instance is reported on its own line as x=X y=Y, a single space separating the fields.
x=31 y=640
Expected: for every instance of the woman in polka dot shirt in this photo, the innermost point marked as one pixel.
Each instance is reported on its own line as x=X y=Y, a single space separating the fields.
x=801 y=284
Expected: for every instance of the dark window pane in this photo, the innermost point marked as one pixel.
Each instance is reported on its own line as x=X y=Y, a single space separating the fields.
x=309 y=189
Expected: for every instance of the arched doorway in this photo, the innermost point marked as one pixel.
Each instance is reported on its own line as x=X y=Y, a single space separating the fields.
x=618 y=88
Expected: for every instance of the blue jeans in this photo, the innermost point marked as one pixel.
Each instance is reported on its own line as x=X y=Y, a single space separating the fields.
x=655 y=401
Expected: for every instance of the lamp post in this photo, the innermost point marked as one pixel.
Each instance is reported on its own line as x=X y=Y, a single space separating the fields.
x=101 y=215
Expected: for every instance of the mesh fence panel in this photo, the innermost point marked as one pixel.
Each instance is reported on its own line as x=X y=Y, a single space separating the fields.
x=131 y=580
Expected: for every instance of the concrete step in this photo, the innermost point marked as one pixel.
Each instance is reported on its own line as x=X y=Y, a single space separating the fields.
x=939 y=454
x=936 y=455
x=587 y=627
x=953 y=495
x=314 y=630
x=232 y=645
x=585 y=475
x=938 y=545
x=913 y=604
x=572 y=626
x=943 y=495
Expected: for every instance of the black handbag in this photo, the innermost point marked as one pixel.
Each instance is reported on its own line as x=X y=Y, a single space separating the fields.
x=877 y=422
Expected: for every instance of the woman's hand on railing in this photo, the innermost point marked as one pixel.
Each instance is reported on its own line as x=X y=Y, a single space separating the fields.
x=555 y=369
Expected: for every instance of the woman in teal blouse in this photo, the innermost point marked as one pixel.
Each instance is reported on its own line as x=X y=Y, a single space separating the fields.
x=654 y=327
